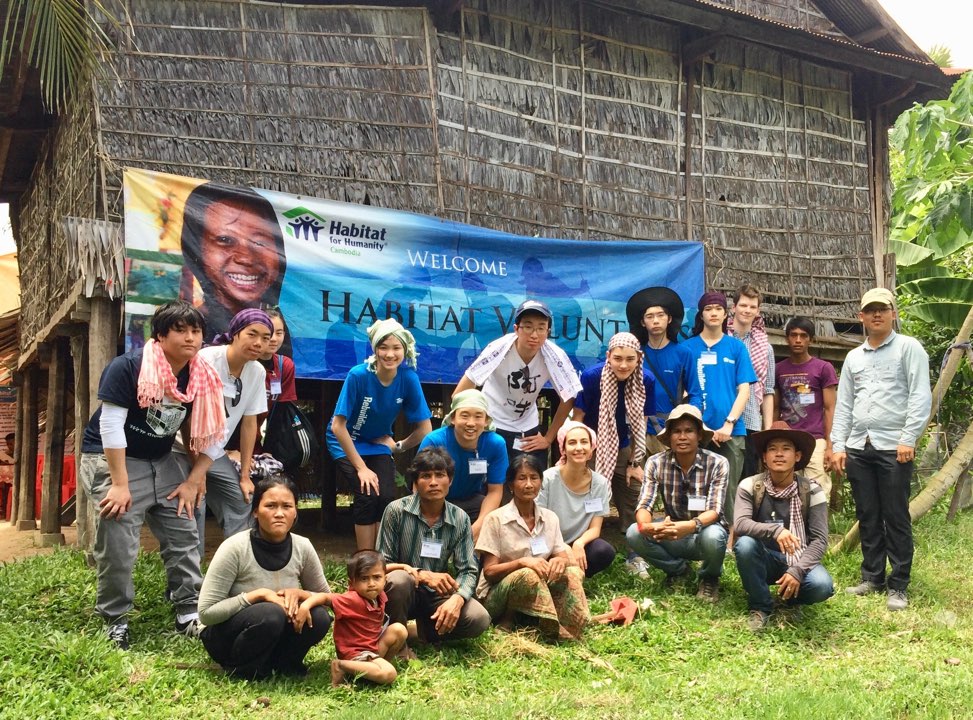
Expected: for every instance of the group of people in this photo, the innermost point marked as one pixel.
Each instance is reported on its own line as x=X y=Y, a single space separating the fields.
x=701 y=445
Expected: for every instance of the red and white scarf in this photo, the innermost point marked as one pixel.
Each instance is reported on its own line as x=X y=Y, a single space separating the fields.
x=797 y=515
x=759 y=353
x=634 y=409
x=205 y=390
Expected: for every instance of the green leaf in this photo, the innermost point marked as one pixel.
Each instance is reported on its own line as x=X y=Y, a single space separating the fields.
x=909 y=254
x=947 y=288
x=944 y=314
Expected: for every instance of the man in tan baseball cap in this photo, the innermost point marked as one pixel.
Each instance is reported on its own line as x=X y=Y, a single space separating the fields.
x=881 y=410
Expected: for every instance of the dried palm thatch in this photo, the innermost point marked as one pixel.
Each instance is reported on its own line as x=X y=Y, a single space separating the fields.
x=562 y=118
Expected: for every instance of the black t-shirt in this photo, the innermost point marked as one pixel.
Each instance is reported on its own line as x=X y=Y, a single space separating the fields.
x=149 y=432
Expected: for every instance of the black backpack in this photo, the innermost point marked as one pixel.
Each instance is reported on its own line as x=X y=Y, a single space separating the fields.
x=290 y=436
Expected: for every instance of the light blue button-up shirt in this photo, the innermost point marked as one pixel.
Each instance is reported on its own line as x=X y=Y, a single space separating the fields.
x=883 y=395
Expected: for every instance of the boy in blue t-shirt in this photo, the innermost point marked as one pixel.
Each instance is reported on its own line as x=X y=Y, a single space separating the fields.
x=724 y=372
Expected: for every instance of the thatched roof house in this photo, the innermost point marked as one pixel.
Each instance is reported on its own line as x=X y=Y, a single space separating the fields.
x=755 y=126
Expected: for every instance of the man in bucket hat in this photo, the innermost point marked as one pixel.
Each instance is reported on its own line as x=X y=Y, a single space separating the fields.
x=781 y=526
x=692 y=483
x=480 y=455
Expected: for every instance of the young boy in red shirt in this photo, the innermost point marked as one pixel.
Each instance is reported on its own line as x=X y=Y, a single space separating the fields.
x=362 y=639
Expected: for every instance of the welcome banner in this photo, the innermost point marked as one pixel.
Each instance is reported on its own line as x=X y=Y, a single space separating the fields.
x=333 y=268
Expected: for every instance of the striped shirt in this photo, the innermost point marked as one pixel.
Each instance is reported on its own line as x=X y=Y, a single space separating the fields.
x=403 y=531
x=706 y=478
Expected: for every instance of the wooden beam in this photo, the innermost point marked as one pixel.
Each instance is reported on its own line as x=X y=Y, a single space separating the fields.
x=82 y=412
x=27 y=471
x=695 y=50
x=57 y=373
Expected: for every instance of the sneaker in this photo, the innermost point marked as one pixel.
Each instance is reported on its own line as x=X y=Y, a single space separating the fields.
x=709 y=590
x=118 y=634
x=898 y=600
x=190 y=628
x=758 y=620
x=638 y=567
x=865 y=587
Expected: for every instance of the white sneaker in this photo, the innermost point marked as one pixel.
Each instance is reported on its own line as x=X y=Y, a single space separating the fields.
x=638 y=567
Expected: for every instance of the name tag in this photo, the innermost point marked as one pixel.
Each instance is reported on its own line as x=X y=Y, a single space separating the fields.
x=594 y=505
x=478 y=466
x=806 y=398
x=538 y=546
x=697 y=503
x=518 y=443
x=431 y=549
x=708 y=357
x=229 y=390
x=275 y=387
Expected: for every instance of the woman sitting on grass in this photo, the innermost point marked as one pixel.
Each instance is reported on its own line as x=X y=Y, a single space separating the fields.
x=363 y=637
x=527 y=567
x=254 y=587
x=580 y=498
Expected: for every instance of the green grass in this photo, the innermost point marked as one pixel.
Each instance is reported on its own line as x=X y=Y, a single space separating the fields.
x=848 y=658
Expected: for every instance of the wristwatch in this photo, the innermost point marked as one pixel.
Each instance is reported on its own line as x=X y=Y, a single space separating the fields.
x=699 y=524
x=398 y=446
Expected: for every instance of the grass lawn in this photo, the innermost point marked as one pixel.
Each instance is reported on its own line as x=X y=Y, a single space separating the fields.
x=848 y=658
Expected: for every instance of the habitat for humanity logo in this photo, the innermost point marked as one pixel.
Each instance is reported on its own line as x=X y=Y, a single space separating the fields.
x=345 y=239
x=304 y=224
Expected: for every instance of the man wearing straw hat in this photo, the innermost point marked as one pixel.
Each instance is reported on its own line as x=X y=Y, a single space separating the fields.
x=479 y=453
x=781 y=526
x=692 y=482
x=882 y=407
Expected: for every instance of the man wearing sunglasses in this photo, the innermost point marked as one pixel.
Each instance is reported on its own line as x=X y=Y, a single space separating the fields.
x=512 y=370
x=881 y=411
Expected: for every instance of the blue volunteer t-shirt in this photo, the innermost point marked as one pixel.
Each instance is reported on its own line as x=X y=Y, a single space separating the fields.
x=490 y=447
x=149 y=432
x=589 y=400
x=369 y=408
x=674 y=371
x=719 y=370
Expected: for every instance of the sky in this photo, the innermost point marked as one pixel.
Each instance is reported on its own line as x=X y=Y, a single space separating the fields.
x=937 y=22
x=928 y=22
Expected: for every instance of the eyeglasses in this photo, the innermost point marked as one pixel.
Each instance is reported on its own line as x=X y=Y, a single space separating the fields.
x=533 y=329
x=876 y=310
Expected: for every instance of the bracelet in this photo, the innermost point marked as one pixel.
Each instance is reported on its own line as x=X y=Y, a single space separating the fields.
x=699 y=524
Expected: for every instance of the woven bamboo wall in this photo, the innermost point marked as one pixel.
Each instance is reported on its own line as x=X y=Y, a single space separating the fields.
x=783 y=200
x=64 y=183
x=335 y=102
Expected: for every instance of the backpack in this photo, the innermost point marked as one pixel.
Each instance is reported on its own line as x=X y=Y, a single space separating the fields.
x=290 y=436
x=803 y=492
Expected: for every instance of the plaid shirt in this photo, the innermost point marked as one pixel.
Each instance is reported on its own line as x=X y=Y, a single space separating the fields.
x=403 y=530
x=753 y=417
x=706 y=477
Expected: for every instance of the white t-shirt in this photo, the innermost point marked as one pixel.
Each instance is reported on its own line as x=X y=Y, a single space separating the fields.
x=253 y=395
x=512 y=391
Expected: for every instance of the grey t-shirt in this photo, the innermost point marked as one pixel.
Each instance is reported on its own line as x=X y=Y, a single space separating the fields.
x=574 y=511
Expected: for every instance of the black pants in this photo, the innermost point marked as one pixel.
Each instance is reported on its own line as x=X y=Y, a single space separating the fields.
x=259 y=641
x=600 y=555
x=368 y=509
x=880 y=485
x=751 y=461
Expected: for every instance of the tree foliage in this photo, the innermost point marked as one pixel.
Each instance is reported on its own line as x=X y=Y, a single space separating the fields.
x=932 y=205
x=61 y=38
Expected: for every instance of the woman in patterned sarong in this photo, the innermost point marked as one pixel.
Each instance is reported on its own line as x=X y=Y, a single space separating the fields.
x=528 y=569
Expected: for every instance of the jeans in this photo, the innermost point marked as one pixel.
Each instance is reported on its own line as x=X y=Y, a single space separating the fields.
x=880 y=486
x=760 y=566
x=117 y=540
x=670 y=556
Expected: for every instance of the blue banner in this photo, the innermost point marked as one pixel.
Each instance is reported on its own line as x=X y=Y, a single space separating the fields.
x=334 y=268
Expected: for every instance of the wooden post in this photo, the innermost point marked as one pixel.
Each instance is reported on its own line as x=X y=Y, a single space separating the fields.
x=327 y=480
x=50 y=532
x=27 y=470
x=82 y=411
x=18 y=451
